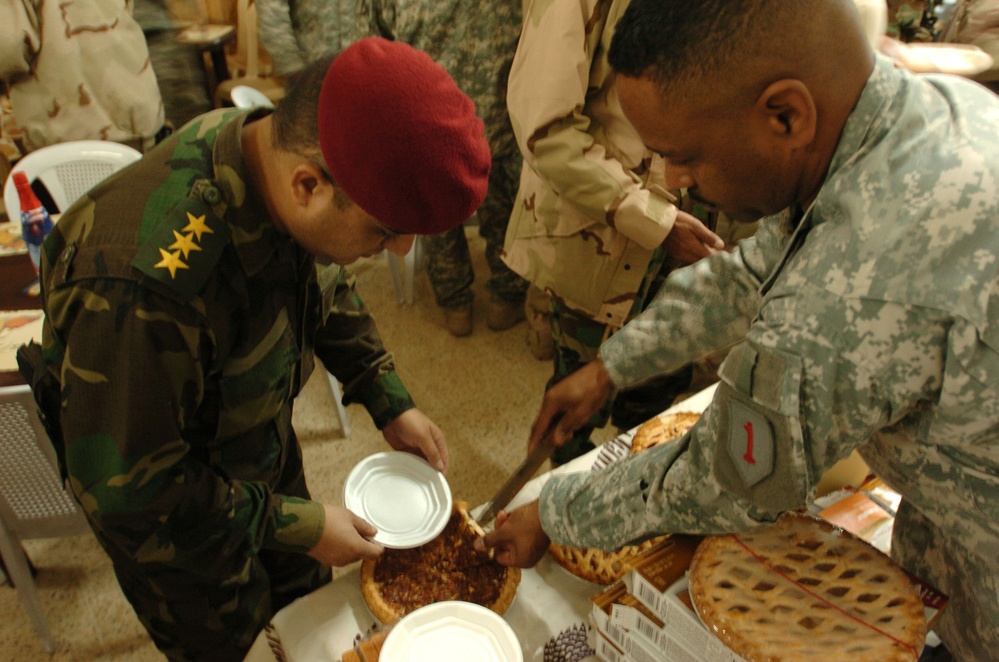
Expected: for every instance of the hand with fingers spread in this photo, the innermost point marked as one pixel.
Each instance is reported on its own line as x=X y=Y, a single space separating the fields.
x=569 y=404
x=346 y=538
x=690 y=239
x=412 y=431
x=517 y=538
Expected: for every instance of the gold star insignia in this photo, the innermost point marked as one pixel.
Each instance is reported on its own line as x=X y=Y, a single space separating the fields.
x=170 y=261
x=185 y=244
x=197 y=225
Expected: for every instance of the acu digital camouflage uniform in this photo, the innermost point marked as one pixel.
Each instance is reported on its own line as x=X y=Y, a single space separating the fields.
x=592 y=209
x=181 y=325
x=78 y=70
x=872 y=323
x=475 y=43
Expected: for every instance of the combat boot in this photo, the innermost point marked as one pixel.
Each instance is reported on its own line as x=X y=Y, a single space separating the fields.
x=502 y=315
x=458 y=321
x=537 y=309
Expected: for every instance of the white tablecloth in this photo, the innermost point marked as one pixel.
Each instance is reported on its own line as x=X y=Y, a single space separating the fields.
x=322 y=625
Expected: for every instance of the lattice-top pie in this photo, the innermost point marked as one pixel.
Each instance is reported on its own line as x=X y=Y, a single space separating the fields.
x=597 y=566
x=662 y=428
x=446 y=568
x=605 y=568
x=803 y=589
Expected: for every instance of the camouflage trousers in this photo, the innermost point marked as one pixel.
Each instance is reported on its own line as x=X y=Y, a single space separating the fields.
x=217 y=614
x=180 y=75
x=577 y=339
x=449 y=262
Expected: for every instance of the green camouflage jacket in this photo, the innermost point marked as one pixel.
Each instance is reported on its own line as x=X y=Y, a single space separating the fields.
x=181 y=324
x=872 y=323
x=592 y=207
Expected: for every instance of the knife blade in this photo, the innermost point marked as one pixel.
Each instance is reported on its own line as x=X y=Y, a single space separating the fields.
x=519 y=478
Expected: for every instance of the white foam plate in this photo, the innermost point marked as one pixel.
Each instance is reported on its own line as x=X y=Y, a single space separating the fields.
x=401 y=495
x=961 y=59
x=451 y=631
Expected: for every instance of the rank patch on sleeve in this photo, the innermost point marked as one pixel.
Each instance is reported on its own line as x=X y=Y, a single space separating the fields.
x=184 y=248
x=750 y=443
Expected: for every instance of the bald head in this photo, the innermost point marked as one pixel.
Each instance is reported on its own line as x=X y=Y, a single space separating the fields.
x=741 y=45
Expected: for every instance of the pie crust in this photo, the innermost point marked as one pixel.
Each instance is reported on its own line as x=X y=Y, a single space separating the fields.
x=446 y=568
x=598 y=566
x=804 y=589
x=662 y=428
x=605 y=568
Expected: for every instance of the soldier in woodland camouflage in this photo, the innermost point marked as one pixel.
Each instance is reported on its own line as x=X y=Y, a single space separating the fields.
x=186 y=299
x=868 y=298
x=475 y=42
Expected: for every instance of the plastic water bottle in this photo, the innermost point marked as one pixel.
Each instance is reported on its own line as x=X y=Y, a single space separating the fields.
x=35 y=219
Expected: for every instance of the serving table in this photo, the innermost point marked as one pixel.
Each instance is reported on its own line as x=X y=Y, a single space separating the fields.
x=320 y=626
x=16 y=276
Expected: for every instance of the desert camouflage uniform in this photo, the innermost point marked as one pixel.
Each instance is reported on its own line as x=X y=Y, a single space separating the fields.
x=181 y=326
x=475 y=42
x=79 y=70
x=871 y=324
x=592 y=210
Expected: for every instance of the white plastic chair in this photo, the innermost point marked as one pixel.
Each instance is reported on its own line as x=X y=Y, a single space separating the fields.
x=244 y=96
x=403 y=271
x=33 y=501
x=68 y=170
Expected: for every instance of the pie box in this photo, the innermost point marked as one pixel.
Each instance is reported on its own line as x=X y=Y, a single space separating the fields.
x=631 y=633
x=606 y=651
x=600 y=613
x=658 y=567
x=680 y=635
x=659 y=583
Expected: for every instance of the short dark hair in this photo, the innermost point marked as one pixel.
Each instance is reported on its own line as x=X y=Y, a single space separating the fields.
x=296 y=118
x=678 y=43
x=296 y=121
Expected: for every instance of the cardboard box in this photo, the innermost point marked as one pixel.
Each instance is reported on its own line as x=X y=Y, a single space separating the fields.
x=607 y=651
x=600 y=613
x=660 y=566
x=631 y=625
x=676 y=630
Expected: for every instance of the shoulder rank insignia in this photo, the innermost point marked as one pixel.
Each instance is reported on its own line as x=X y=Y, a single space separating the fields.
x=750 y=443
x=184 y=248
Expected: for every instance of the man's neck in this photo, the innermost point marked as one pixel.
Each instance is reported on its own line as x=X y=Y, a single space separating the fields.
x=262 y=164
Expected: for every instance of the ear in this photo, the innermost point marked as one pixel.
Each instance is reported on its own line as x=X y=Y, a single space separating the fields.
x=789 y=112
x=309 y=184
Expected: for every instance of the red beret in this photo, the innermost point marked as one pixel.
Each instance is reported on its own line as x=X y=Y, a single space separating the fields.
x=401 y=139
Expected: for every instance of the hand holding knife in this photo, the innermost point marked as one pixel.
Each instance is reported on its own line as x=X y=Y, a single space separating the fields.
x=520 y=476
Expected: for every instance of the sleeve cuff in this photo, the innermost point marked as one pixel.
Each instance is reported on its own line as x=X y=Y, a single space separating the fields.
x=646 y=217
x=385 y=398
x=298 y=525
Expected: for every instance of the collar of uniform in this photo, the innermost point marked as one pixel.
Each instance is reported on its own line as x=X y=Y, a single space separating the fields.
x=254 y=236
x=872 y=116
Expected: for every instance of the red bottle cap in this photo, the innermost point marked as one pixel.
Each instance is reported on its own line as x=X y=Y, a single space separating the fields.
x=29 y=200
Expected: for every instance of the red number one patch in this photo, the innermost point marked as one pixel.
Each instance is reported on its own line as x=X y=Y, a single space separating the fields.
x=748 y=457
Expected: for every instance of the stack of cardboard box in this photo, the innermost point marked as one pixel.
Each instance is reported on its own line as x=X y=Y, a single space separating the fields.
x=647 y=616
